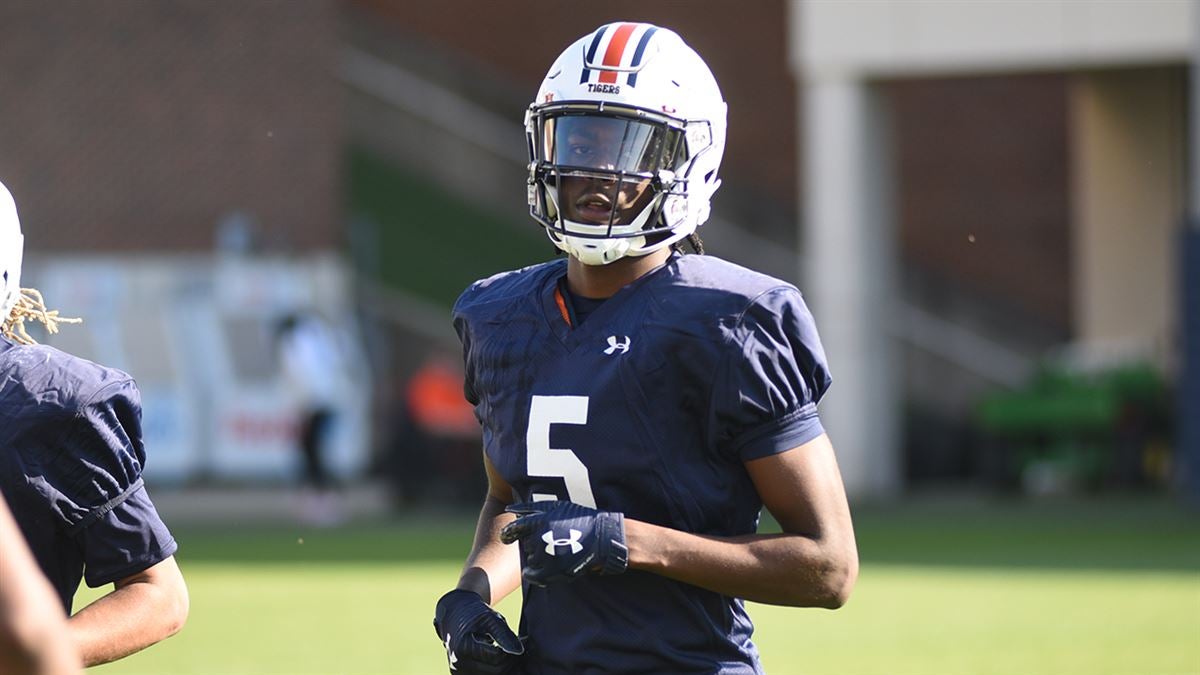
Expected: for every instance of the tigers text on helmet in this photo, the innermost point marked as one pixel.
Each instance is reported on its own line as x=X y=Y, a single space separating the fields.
x=625 y=138
x=12 y=244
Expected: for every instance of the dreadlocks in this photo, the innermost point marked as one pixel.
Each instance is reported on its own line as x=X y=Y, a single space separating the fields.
x=693 y=240
x=31 y=306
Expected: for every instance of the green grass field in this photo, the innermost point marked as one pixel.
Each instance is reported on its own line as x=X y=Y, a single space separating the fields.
x=955 y=588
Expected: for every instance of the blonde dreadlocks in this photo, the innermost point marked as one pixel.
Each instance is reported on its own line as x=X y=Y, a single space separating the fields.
x=31 y=306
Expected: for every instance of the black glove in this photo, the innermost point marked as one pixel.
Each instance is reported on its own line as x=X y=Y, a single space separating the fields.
x=563 y=540
x=476 y=637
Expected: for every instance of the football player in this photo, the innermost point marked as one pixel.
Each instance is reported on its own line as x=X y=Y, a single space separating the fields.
x=639 y=406
x=71 y=458
x=33 y=629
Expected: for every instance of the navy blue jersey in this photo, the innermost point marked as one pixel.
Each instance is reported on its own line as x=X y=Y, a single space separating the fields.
x=71 y=460
x=650 y=407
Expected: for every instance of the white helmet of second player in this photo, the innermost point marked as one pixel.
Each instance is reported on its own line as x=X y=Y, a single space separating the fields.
x=12 y=244
x=625 y=138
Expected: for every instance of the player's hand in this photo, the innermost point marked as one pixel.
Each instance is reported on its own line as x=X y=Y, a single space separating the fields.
x=476 y=637
x=563 y=540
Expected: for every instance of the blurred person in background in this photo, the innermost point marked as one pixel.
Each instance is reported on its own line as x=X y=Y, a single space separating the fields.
x=71 y=460
x=310 y=359
x=33 y=628
x=436 y=436
x=641 y=405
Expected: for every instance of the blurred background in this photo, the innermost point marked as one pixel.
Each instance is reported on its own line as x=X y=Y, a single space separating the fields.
x=985 y=203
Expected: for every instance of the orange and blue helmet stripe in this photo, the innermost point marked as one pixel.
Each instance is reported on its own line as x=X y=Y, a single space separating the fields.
x=619 y=35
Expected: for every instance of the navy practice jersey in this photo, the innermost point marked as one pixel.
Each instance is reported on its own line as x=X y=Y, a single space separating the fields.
x=71 y=460
x=649 y=407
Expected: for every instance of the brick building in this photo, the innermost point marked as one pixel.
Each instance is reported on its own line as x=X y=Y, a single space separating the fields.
x=132 y=126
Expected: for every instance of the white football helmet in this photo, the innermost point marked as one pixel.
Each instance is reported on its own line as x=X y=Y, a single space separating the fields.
x=625 y=138
x=12 y=244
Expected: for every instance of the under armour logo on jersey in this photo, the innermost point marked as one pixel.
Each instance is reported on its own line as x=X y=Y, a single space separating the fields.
x=450 y=654
x=614 y=345
x=573 y=541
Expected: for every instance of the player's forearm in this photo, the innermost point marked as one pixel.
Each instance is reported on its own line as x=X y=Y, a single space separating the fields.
x=131 y=618
x=33 y=632
x=35 y=642
x=779 y=569
x=492 y=570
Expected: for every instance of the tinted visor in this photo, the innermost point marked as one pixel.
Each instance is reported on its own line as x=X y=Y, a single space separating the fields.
x=606 y=143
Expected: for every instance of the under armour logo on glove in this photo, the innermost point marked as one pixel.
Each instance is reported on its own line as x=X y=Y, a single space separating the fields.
x=450 y=655
x=596 y=542
x=573 y=542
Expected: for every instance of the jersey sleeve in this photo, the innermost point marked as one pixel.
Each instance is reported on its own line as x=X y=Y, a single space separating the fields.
x=774 y=374
x=103 y=499
x=464 y=335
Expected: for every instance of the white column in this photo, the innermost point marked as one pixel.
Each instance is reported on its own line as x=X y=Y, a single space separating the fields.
x=849 y=276
x=1128 y=161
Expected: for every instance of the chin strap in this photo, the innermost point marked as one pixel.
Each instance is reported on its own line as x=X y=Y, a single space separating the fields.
x=599 y=251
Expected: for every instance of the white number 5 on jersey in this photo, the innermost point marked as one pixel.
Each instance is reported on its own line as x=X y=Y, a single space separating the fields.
x=543 y=461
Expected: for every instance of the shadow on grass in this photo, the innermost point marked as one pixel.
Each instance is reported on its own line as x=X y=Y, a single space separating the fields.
x=1114 y=534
